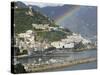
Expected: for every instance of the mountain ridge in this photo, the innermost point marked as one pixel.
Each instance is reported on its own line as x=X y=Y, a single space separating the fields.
x=88 y=14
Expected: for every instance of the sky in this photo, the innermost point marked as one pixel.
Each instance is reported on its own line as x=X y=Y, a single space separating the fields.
x=43 y=4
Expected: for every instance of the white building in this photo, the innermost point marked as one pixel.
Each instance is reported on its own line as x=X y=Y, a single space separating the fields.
x=70 y=41
x=62 y=44
x=52 y=60
x=76 y=38
x=25 y=41
x=40 y=26
x=53 y=28
x=85 y=41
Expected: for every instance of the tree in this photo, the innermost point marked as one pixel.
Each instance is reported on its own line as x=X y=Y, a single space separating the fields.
x=79 y=45
x=19 y=68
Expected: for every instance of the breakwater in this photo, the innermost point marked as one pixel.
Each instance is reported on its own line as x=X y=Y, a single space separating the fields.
x=44 y=67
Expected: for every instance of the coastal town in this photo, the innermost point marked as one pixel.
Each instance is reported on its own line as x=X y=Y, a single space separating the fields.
x=26 y=41
x=39 y=44
x=46 y=54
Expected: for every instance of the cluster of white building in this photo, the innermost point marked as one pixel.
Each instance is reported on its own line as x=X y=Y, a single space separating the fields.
x=60 y=44
x=69 y=41
x=26 y=41
x=40 y=26
x=44 y=27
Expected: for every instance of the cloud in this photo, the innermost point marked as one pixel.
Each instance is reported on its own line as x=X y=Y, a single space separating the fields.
x=41 y=4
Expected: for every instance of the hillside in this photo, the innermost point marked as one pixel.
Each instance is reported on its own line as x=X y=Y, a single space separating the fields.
x=83 y=22
x=25 y=16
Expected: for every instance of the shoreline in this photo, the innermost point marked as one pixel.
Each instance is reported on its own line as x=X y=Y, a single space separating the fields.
x=85 y=49
x=78 y=50
x=45 y=67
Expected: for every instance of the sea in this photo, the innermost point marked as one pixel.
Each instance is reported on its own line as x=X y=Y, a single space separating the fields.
x=70 y=56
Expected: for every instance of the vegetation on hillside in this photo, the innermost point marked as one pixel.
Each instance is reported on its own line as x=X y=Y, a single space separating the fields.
x=50 y=35
x=23 y=22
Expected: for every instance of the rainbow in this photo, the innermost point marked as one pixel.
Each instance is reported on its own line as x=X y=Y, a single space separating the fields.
x=67 y=14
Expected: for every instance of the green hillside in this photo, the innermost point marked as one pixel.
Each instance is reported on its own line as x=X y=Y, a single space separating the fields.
x=50 y=35
x=24 y=22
